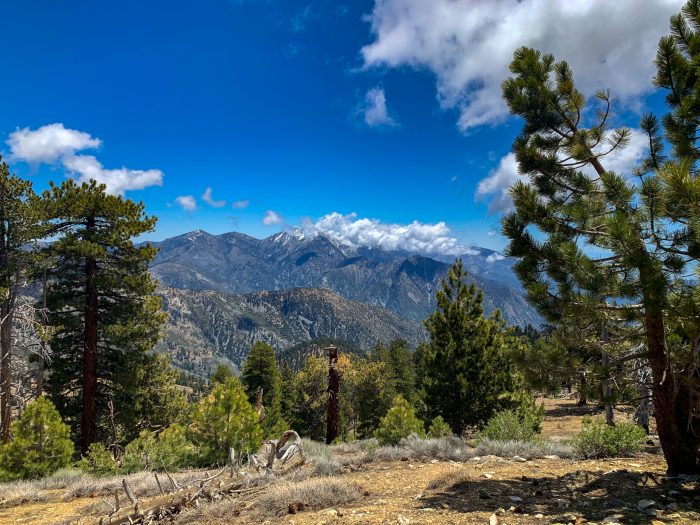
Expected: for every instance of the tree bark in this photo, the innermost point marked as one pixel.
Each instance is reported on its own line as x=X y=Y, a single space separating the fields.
x=606 y=391
x=6 y=368
x=89 y=415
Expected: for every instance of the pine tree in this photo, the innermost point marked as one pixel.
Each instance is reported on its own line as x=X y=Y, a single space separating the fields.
x=223 y=420
x=641 y=226
x=400 y=422
x=467 y=376
x=260 y=371
x=101 y=302
x=222 y=374
x=20 y=225
x=148 y=398
x=366 y=395
x=400 y=367
x=41 y=443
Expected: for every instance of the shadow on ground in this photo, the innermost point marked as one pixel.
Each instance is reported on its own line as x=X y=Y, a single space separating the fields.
x=632 y=497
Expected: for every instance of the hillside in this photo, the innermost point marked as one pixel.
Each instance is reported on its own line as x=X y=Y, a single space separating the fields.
x=401 y=282
x=206 y=327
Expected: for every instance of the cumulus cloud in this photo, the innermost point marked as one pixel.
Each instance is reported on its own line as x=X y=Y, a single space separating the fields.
x=272 y=218
x=241 y=204
x=374 y=109
x=495 y=256
x=49 y=144
x=57 y=145
x=187 y=202
x=349 y=230
x=209 y=199
x=494 y=188
x=468 y=44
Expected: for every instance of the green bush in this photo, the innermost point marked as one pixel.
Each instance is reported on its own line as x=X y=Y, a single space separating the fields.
x=40 y=446
x=509 y=425
x=225 y=419
x=169 y=451
x=400 y=422
x=599 y=440
x=98 y=461
x=439 y=428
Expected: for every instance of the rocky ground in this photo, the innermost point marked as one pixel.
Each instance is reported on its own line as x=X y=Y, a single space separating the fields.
x=481 y=490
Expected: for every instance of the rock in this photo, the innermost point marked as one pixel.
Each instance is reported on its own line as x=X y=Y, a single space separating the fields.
x=539 y=516
x=552 y=456
x=646 y=504
x=434 y=461
x=493 y=519
x=487 y=475
x=519 y=459
x=657 y=522
x=613 y=518
x=500 y=512
x=402 y=520
x=515 y=499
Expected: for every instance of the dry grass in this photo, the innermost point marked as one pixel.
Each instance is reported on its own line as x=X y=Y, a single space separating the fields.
x=71 y=484
x=524 y=449
x=311 y=494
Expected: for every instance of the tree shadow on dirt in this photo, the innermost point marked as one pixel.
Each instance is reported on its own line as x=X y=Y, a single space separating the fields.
x=633 y=497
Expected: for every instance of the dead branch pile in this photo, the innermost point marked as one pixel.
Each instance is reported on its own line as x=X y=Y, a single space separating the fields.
x=239 y=484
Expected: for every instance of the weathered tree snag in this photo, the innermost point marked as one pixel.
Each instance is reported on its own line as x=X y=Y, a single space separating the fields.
x=333 y=408
x=89 y=415
x=5 y=368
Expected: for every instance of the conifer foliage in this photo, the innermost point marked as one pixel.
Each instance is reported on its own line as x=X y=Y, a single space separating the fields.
x=41 y=443
x=102 y=305
x=641 y=225
x=467 y=375
x=223 y=420
x=260 y=371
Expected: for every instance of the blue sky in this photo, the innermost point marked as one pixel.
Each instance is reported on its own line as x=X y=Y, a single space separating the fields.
x=389 y=110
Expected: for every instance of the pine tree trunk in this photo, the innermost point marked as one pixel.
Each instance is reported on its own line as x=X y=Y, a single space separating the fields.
x=582 y=387
x=5 y=368
x=89 y=415
x=671 y=401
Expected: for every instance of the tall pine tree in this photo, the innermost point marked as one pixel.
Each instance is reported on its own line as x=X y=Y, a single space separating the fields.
x=610 y=247
x=101 y=303
x=467 y=376
x=260 y=371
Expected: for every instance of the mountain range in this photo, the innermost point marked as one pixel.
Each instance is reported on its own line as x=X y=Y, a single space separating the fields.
x=225 y=291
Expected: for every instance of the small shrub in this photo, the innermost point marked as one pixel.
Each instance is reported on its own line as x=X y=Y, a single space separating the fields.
x=225 y=419
x=599 y=440
x=509 y=425
x=40 y=446
x=98 y=461
x=439 y=428
x=170 y=450
x=400 y=422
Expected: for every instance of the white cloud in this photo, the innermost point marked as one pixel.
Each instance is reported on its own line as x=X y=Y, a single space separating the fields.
x=187 y=202
x=468 y=44
x=209 y=199
x=374 y=109
x=496 y=185
x=417 y=237
x=495 y=256
x=49 y=144
x=56 y=144
x=272 y=218
x=118 y=181
x=241 y=204
x=494 y=188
